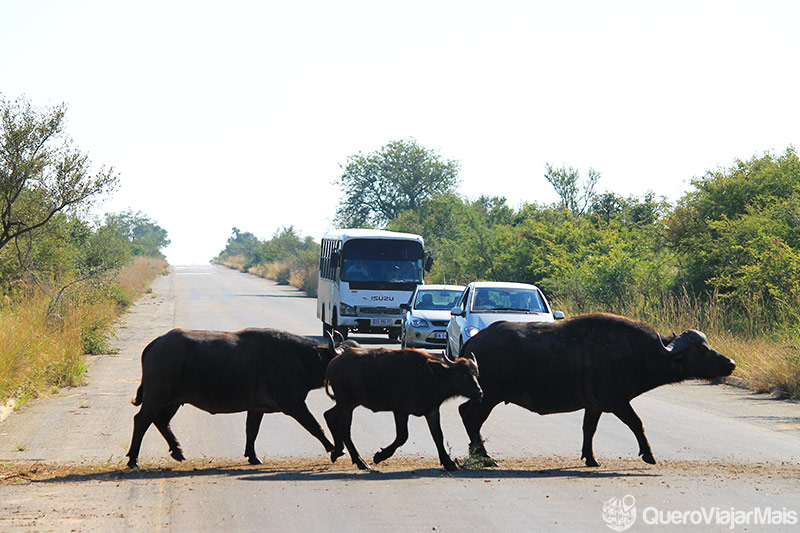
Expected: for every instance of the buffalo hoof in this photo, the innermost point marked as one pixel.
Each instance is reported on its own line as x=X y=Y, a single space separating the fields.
x=177 y=454
x=648 y=458
x=450 y=466
x=335 y=454
x=133 y=464
x=361 y=464
x=253 y=460
x=591 y=461
x=380 y=456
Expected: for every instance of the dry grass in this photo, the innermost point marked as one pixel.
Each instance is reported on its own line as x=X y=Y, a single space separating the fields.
x=38 y=353
x=295 y=273
x=42 y=348
x=135 y=278
x=236 y=262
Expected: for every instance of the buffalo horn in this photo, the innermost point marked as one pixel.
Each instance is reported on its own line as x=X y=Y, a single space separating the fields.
x=447 y=358
x=684 y=340
x=667 y=348
x=333 y=348
x=338 y=337
x=474 y=360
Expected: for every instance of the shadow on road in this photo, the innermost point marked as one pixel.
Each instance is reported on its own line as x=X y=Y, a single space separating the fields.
x=377 y=475
x=52 y=474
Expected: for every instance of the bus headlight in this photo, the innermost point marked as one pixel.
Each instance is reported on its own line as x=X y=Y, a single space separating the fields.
x=347 y=310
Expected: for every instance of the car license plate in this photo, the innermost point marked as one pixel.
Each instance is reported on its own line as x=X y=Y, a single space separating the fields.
x=439 y=335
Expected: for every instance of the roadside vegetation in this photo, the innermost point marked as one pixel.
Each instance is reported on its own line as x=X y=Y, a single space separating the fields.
x=287 y=257
x=63 y=278
x=725 y=258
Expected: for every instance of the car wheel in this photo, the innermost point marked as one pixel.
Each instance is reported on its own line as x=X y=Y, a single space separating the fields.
x=403 y=344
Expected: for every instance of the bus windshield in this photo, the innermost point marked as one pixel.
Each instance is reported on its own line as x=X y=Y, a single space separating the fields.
x=386 y=260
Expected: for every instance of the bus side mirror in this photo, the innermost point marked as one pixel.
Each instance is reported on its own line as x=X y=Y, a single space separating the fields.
x=428 y=262
x=335 y=257
x=405 y=307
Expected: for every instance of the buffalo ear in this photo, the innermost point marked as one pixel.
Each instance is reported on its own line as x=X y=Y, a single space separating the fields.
x=437 y=368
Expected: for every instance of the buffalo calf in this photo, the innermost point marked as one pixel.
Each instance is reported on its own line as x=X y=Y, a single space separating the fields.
x=406 y=382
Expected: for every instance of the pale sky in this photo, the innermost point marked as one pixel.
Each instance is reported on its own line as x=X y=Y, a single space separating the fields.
x=239 y=113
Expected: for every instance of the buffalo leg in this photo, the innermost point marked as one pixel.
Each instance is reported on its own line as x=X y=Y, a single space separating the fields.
x=333 y=421
x=632 y=420
x=162 y=424
x=344 y=422
x=401 y=436
x=590 y=419
x=435 y=425
x=251 y=432
x=473 y=414
x=300 y=412
x=141 y=421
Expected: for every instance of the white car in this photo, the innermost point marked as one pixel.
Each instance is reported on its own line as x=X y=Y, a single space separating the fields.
x=427 y=315
x=485 y=302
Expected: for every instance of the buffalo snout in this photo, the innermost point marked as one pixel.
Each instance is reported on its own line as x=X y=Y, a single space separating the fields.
x=475 y=392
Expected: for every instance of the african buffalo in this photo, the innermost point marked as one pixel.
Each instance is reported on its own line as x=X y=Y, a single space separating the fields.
x=596 y=362
x=254 y=370
x=406 y=382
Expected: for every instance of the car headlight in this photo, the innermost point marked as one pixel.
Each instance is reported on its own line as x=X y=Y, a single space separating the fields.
x=347 y=310
x=470 y=332
x=418 y=323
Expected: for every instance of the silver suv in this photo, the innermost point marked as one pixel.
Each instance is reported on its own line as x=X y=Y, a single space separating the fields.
x=427 y=314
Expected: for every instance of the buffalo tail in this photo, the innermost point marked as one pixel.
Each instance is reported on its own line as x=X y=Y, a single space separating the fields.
x=138 y=399
x=328 y=391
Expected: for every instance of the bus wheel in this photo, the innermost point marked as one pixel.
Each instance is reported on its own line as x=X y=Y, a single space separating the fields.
x=326 y=329
x=394 y=334
x=335 y=326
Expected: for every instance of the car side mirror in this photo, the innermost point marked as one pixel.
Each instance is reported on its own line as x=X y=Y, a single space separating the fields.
x=558 y=315
x=457 y=311
x=405 y=307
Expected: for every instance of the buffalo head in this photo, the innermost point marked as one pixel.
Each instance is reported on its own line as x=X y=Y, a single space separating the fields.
x=692 y=356
x=463 y=372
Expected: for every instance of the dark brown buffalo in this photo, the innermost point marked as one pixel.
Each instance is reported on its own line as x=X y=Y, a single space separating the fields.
x=596 y=362
x=406 y=382
x=254 y=370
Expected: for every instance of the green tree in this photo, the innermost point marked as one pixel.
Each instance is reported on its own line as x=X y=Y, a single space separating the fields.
x=377 y=187
x=41 y=174
x=145 y=236
x=576 y=194
x=761 y=194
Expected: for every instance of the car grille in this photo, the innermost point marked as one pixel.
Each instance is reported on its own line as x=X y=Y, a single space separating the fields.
x=379 y=311
x=439 y=323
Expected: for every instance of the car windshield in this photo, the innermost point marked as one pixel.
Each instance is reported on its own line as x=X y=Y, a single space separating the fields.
x=436 y=300
x=494 y=299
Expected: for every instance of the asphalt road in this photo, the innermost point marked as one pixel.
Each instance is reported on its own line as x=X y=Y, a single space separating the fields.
x=724 y=455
